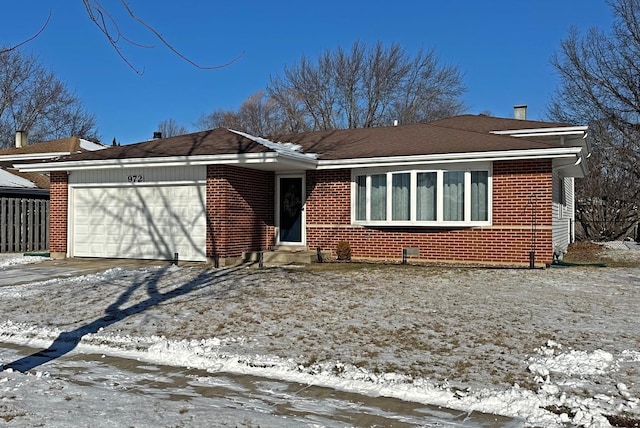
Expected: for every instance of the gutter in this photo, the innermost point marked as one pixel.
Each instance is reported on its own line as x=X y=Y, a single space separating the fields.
x=35 y=156
x=554 y=153
x=231 y=159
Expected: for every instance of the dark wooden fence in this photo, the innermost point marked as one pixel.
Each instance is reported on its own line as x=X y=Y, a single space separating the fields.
x=24 y=224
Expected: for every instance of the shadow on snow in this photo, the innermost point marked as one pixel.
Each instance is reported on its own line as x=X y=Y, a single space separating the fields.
x=69 y=340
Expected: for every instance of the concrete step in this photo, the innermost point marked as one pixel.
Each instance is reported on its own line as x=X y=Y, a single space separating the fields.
x=281 y=257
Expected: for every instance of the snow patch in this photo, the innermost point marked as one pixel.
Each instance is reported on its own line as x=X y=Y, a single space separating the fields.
x=8 y=179
x=9 y=259
x=289 y=149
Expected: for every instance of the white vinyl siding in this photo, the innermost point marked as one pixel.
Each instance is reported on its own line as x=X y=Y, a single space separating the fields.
x=562 y=211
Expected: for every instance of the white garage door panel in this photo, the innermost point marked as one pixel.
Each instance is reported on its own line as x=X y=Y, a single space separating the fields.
x=140 y=222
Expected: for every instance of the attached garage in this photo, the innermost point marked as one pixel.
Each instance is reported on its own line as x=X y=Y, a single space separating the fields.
x=145 y=214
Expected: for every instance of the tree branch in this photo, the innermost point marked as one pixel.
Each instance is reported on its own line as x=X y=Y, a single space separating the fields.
x=35 y=36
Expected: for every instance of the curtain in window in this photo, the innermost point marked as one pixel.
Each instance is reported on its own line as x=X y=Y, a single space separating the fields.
x=453 y=195
x=361 y=198
x=479 y=196
x=378 y=197
x=426 y=196
x=400 y=197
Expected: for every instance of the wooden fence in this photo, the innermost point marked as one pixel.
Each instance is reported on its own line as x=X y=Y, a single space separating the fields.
x=24 y=224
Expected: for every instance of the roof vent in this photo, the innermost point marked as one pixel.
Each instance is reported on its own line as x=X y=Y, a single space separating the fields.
x=520 y=111
x=157 y=135
x=22 y=139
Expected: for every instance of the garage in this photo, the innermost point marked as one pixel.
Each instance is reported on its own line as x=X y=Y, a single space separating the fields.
x=138 y=220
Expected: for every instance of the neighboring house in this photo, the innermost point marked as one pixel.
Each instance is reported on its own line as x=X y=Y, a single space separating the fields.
x=24 y=196
x=469 y=189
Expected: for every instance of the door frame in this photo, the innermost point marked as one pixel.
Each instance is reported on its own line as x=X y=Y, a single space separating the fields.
x=303 y=219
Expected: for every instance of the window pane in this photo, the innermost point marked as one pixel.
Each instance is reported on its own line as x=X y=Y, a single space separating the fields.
x=479 y=195
x=361 y=198
x=400 y=198
x=426 y=197
x=453 y=195
x=379 y=197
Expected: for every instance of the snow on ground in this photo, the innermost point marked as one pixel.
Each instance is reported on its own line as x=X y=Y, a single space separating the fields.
x=11 y=259
x=548 y=346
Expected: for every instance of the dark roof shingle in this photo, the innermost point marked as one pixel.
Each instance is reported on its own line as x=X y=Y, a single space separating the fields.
x=407 y=140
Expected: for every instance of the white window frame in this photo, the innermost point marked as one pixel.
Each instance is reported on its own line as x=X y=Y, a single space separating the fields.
x=439 y=169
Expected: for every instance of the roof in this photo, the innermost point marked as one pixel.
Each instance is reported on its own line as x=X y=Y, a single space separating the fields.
x=484 y=123
x=466 y=137
x=12 y=178
x=406 y=140
x=63 y=145
x=213 y=142
x=47 y=150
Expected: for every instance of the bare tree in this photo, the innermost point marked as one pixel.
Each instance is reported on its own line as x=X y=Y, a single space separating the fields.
x=367 y=87
x=33 y=99
x=104 y=19
x=599 y=75
x=171 y=128
x=257 y=115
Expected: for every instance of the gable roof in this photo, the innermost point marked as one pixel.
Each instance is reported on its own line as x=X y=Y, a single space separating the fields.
x=461 y=138
x=406 y=140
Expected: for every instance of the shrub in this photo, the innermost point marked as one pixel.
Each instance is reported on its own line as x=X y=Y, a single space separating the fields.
x=344 y=250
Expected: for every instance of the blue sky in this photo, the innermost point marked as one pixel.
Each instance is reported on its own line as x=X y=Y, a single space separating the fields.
x=502 y=47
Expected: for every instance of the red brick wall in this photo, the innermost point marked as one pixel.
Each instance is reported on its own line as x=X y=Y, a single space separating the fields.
x=59 y=205
x=517 y=186
x=239 y=210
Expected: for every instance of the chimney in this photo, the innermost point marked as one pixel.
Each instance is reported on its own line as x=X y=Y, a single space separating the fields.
x=157 y=135
x=520 y=111
x=22 y=139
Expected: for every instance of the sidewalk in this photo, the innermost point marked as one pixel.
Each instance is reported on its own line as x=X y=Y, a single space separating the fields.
x=141 y=394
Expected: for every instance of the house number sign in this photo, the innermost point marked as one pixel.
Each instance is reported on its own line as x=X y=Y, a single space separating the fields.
x=135 y=178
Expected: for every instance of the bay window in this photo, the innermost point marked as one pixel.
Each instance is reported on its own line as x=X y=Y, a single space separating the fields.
x=423 y=197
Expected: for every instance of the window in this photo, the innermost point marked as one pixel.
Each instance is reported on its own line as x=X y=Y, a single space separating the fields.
x=361 y=198
x=378 y=197
x=453 y=195
x=426 y=196
x=401 y=206
x=437 y=197
x=479 y=195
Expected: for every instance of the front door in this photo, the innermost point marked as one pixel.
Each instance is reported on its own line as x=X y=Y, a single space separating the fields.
x=290 y=210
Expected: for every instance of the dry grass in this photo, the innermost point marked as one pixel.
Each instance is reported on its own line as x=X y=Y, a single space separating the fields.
x=585 y=252
x=590 y=252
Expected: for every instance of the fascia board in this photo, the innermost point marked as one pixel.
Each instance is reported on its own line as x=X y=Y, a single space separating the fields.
x=33 y=156
x=539 y=132
x=231 y=159
x=568 y=152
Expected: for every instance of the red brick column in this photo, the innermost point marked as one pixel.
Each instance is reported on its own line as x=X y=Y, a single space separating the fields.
x=240 y=208
x=58 y=214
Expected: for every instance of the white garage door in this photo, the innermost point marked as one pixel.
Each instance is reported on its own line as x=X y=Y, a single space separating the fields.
x=152 y=222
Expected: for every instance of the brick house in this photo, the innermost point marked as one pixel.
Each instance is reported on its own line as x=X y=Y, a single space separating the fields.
x=468 y=189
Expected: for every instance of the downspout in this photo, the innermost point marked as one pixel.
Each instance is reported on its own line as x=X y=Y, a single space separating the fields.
x=532 y=251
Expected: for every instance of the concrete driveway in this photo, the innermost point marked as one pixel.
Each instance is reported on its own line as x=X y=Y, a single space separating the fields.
x=49 y=269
